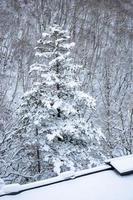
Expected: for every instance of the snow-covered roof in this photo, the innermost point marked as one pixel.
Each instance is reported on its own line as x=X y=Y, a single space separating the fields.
x=100 y=183
x=124 y=165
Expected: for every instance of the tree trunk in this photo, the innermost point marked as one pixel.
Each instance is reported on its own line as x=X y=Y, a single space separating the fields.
x=38 y=153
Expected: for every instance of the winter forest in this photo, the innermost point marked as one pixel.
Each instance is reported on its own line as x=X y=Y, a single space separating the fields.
x=65 y=85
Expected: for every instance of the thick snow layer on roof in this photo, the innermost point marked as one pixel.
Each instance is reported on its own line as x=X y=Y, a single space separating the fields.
x=11 y=188
x=124 y=165
x=103 y=185
x=62 y=177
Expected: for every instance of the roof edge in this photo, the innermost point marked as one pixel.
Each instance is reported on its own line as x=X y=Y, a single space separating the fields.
x=65 y=176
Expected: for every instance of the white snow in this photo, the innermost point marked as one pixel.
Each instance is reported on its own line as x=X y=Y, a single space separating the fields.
x=36 y=68
x=45 y=35
x=57 y=104
x=11 y=188
x=69 y=46
x=1 y=184
x=123 y=164
x=56 y=133
x=90 y=100
x=72 y=84
x=57 y=166
x=105 y=185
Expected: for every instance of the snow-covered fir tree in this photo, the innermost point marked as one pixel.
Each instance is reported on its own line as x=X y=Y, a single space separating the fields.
x=54 y=133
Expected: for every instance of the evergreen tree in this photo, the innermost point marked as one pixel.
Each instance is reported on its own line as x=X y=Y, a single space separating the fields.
x=54 y=133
